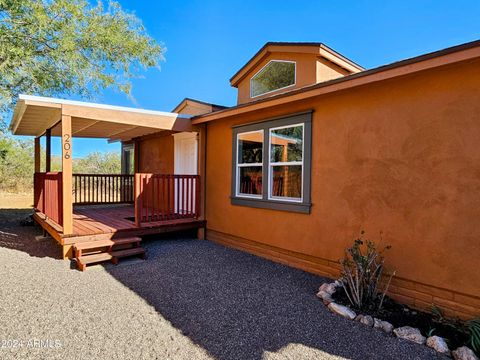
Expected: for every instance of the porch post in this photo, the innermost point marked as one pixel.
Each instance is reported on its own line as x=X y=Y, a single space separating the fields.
x=67 y=174
x=48 y=137
x=202 y=172
x=37 y=154
x=136 y=156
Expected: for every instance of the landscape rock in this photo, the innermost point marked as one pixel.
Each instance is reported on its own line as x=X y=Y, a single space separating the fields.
x=410 y=333
x=383 y=325
x=365 y=320
x=342 y=310
x=329 y=288
x=464 y=353
x=325 y=296
x=327 y=300
x=438 y=343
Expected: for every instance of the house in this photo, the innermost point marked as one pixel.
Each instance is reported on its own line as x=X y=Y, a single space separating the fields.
x=316 y=150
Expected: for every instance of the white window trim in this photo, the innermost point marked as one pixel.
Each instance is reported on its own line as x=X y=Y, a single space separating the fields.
x=271 y=91
x=238 y=165
x=272 y=164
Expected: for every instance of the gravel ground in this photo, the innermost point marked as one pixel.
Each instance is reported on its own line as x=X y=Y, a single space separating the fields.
x=190 y=300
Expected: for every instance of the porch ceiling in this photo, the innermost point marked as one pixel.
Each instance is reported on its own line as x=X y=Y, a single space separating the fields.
x=33 y=115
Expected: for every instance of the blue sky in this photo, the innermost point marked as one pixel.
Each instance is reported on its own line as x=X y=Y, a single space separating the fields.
x=208 y=41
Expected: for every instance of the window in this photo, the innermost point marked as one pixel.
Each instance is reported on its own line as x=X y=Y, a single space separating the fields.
x=271 y=164
x=286 y=164
x=250 y=163
x=275 y=75
x=128 y=159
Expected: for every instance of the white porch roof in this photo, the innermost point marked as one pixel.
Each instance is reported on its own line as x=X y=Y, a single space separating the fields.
x=33 y=115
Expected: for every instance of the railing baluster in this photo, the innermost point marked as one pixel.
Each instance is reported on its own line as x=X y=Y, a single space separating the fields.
x=152 y=196
x=158 y=197
x=187 y=181
x=102 y=188
x=163 y=197
x=171 y=200
x=191 y=195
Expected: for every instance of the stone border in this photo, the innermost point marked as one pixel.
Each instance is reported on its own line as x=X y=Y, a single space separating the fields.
x=325 y=293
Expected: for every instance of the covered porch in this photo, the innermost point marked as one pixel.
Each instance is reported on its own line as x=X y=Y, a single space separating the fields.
x=84 y=208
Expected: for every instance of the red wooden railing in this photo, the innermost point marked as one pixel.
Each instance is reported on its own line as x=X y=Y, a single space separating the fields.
x=48 y=195
x=161 y=197
x=102 y=188
x=251 y=185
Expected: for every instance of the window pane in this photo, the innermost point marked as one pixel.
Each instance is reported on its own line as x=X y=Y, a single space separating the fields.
x=128 y=160
x=131 y=162
x=250 y=180
x=275 y=75
x=250 y=147
x=286 y=144
x=287 y=181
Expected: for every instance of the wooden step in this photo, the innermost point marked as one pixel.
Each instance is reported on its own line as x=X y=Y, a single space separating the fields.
x=83 y=261
x=130 y=240
x=127 y=252
x=80 y=247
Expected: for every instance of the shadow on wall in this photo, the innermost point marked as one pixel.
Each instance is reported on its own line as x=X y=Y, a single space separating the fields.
x=239 y=306
x=25 y=238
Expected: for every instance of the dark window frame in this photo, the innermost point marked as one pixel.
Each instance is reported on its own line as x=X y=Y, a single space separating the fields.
x=264 y=202
x=127 y=148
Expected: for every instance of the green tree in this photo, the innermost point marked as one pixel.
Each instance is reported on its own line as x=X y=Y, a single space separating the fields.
x=16 y=164
x=98 y=163
x=65 y=47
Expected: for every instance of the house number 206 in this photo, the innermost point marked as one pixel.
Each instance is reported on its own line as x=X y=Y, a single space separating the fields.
x=66 y=146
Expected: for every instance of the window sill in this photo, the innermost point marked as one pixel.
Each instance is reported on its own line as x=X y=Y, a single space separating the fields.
x=303 y=208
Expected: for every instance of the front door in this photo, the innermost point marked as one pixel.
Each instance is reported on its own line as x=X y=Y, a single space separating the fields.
x=186 y=161
x=186 y=153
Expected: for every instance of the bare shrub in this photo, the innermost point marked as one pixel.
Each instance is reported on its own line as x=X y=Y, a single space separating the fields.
x=362 y=271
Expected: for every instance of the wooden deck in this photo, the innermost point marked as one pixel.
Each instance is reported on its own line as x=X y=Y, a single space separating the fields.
x=102 y=222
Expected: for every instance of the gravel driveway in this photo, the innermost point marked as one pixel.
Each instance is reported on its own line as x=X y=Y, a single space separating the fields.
x=190 y=300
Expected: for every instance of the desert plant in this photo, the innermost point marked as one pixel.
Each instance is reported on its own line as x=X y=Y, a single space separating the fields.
x=473 y=328
x=437 y=313
x=362 y=270
x=430 y=332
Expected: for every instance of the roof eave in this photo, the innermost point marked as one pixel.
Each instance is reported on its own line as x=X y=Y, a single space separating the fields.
x=435 y=59
x=264 y=50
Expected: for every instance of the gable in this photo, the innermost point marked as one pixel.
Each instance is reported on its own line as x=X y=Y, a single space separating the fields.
x=196 y=107
x=313 y=63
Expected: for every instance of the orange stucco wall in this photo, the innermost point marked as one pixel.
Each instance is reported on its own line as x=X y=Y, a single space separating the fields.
x=326 y=70
x=156 y=154
x=400 y=156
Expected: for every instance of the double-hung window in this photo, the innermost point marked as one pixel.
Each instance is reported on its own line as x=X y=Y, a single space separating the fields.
x=271 y=164
x=250 y=164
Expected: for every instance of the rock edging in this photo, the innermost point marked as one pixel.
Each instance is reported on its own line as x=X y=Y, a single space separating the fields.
x=325 y=293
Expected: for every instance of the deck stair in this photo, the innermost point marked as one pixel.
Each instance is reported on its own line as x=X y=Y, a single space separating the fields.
x=93 y=252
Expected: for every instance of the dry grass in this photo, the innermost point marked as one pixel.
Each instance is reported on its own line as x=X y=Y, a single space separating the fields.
x=15 y=200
